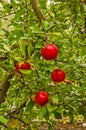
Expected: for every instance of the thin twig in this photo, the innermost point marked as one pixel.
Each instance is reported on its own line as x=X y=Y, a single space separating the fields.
x=17 y=110
x=3 y=124
x=7 y=15
x=3 y=57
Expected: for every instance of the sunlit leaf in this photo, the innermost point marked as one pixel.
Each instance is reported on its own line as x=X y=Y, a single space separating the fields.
x=25 y=71
x=3 y=119
x=22 y=46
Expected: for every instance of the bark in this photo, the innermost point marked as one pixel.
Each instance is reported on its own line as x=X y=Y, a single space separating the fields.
x=37 y=11
x=85 y=20
x=4 y=86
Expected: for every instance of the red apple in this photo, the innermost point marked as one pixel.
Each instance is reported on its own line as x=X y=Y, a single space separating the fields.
x=58 y=75
x=25 y=66
x=50 y=52
x=41 y=98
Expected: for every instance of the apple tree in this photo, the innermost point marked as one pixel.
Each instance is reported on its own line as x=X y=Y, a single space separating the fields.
x=42 y=62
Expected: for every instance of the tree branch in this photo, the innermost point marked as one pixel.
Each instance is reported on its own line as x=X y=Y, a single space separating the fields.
x=3 y=57
x=37 y=11
x=3 y=124
x=4 y=86
x=7 y=15
x=85 y=20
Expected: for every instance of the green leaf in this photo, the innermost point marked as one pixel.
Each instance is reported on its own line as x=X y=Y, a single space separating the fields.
x=17 y=33
x=22 y=46
x=0 y=23
x=39 y=44
x=18 y=102
x=28 y=128
x=42 y=113
x=54 y=99
x=29 y=49
x=57 y=115
x=25 y=71
x=45 y=25
x=50 y=108
x=12 y=2
x=30 y=105
x=43 y=3
x=60 y=109
x=3 y=119
x=18 y=58
x=35 y=29
x=51 y=89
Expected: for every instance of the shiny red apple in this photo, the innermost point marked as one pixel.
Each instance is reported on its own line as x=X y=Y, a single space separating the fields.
x=58 y=75
x=24 y=66
x=49 y=52
x=41 y=98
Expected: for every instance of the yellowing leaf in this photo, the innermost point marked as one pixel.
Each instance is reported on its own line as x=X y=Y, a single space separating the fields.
x=13 y=123
x=32 y=128
x=52 y=15
x=62 y=82
x=82 y=1
x=33 y=97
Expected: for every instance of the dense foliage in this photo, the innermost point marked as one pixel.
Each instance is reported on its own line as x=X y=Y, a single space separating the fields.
x=21 y=39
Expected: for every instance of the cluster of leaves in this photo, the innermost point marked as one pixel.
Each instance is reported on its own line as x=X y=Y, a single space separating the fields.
x=21 y=39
